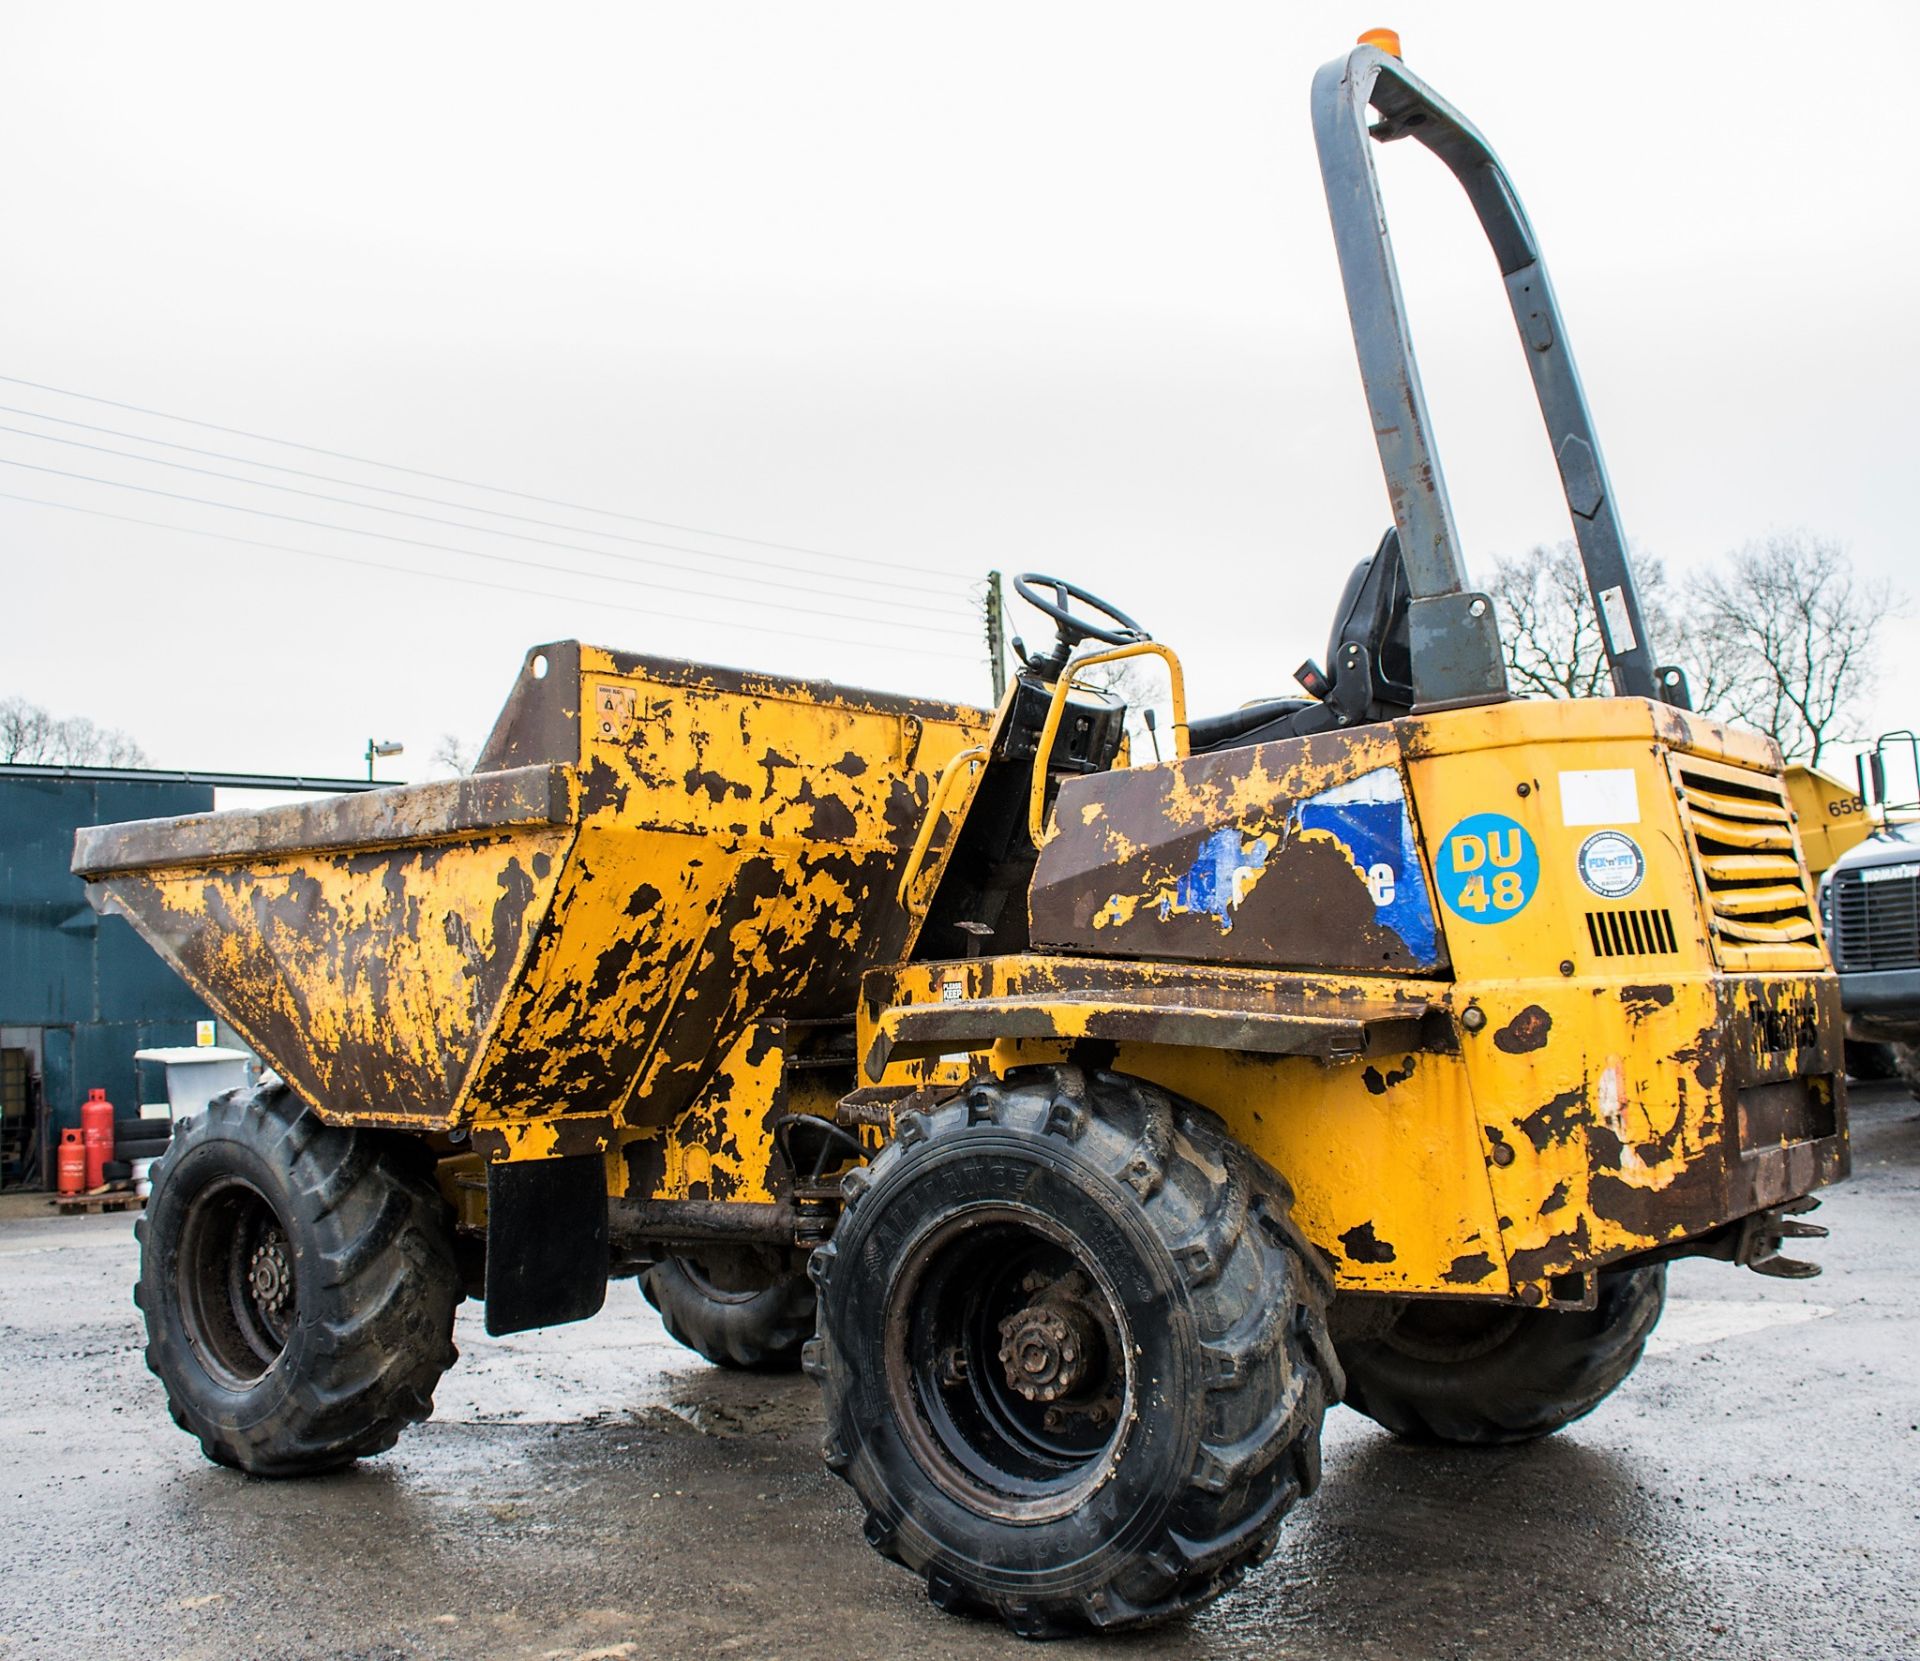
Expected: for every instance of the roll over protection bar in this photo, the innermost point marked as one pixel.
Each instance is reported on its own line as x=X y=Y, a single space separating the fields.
x=1455 y=643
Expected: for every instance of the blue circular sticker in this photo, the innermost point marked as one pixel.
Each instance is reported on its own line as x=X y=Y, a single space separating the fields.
x=1487 y=868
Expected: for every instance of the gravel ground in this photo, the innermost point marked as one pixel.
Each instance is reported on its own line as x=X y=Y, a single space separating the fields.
x=595 y=1492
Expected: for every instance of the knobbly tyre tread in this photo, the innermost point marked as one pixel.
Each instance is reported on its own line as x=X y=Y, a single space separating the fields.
x=377 y=1286
x=1264 y=1367
x=764 y=1333
x=1555 y=1367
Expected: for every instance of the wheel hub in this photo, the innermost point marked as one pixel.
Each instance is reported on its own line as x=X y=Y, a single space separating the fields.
x=1046 y=1349
x=1007 y=1363
x=270 y=1275
x=234 y=1274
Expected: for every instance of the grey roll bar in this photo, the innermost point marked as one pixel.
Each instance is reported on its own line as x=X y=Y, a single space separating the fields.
x=1455 y=642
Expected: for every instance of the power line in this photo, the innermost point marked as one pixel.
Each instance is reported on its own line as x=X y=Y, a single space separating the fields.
x=425 y=518
x=416 y=496
x=444 y=478
x=915 y=650
x=465 y=553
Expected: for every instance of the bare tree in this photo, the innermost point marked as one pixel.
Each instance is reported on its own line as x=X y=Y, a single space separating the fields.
x=453 y=755
x=1792 y=635
x=1780 y=637
x=30 y=733
x=25 y=730
x=1549 y=631
x=1141 y=684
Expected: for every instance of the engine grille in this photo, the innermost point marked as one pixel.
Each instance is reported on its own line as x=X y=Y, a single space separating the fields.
x=1631 y=933
x=1747 y=863
x=1876 y=923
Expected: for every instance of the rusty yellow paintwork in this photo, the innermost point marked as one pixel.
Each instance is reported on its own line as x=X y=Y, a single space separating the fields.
x=961 y=767
x=1116 y=873
x=707 y=858
x=1057 y=707
x=720 y=1146
x=371 y=972
x=640 y=935
x=1587 y=1092
x=462 y=1180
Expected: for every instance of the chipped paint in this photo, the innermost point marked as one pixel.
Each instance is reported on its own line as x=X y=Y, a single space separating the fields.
x=1611 y=1103
x=588 y=951
x=1526 y=1032
x=1361 y=1245
x=1301 y=852
x=1370 y=820
x=642 y=934
x=1220 y=877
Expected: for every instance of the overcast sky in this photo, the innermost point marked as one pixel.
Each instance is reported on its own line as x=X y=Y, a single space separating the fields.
x=929 y=291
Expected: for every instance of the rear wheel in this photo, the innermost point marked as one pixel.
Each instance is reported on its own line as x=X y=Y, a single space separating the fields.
x=738 y=1308
x=1449 y=1370
x=1871 y=1062
x=298 y=1283
x=1906 y=1065
x=1073 y=1352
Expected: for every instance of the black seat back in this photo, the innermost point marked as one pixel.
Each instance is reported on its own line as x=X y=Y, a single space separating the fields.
x=1369 y=665
x=1373 y=618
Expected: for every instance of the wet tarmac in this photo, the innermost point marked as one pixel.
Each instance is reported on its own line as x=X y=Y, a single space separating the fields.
x=595 y=1492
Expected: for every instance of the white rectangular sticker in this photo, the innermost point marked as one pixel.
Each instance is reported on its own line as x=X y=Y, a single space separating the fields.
x=1613 y=612
x=1599 y=796
x=953 y=992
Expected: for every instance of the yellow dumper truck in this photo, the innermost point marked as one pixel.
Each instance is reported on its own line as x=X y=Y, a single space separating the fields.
x=1087 y=1123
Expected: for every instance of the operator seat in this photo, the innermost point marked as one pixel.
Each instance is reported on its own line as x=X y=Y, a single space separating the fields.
x=1371 y=662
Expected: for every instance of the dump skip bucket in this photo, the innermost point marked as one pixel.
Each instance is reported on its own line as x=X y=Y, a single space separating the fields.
x=579 y=937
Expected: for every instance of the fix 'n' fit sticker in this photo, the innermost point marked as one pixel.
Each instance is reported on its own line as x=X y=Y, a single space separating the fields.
x=1487 y=868
x=1611 y=864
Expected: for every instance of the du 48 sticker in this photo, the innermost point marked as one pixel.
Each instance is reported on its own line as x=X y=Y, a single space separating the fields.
x=1487 y=868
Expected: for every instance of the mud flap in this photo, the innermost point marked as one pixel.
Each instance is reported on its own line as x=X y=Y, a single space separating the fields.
x=546 y=1242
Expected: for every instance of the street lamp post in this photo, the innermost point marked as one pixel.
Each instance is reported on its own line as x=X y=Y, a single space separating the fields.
x=381 y=747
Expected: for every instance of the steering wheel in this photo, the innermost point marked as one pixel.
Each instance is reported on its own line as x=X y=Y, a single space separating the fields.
x=1074 y=629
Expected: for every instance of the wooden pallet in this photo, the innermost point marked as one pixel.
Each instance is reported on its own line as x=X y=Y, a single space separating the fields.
x=94 y=1205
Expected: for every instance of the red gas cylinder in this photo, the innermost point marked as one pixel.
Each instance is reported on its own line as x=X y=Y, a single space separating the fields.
x=96 y=1129
x=73 y=1162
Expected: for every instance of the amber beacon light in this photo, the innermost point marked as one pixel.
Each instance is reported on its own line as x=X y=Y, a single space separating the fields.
x=1388 y=40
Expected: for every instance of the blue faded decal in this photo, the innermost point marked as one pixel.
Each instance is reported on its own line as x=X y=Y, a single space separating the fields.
x=1218 y=880
x=1368 y=817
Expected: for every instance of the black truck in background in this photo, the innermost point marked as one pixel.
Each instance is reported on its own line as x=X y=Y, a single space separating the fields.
x=1870 y=906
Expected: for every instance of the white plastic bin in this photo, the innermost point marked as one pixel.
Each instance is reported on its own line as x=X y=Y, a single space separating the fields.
x=196 y=1074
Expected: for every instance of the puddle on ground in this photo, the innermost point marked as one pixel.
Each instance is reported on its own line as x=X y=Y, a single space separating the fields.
x=771 y=1415
x=619 y=1365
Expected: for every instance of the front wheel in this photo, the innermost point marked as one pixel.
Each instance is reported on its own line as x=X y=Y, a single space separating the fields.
x=1073 y=1352
x=298 y=1283
x=1476 y=1374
